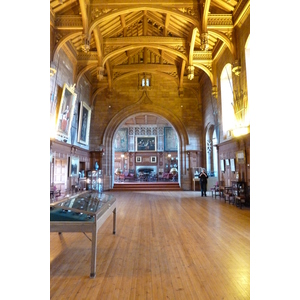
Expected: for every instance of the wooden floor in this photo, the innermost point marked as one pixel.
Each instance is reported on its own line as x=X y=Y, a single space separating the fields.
x=168 y=245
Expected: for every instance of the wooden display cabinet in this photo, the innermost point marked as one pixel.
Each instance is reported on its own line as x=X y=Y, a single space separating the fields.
x=239 y=188
x=94 y=180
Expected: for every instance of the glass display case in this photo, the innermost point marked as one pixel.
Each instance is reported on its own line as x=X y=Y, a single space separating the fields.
x=84 y=212
x=81 y=207
x=82 y=183
x=94 y=180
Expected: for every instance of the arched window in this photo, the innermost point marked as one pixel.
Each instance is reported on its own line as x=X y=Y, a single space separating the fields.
x=228 y=119
x=248 y=74
x=211 y=152
x=215 y=154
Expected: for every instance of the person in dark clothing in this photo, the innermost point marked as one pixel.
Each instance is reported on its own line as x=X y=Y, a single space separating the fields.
x=203 y=182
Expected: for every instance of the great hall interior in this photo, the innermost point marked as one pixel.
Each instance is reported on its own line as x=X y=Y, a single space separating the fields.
x=147 y=93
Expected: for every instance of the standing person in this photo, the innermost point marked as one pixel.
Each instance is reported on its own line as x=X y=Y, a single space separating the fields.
x=203 y=181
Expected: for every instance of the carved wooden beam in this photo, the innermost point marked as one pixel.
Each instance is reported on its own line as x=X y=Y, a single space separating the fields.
x=63 y=41
x=109 y=75
x=192 y=45
x=82 y=72
x=145 y=68
x=180 y=90
x=138 y=40
x=167 y=21
x=158 y=46
x=204 y=9
x=223 y=38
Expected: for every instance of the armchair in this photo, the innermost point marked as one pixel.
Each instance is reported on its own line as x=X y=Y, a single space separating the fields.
x=166 y=176
x=129 y=175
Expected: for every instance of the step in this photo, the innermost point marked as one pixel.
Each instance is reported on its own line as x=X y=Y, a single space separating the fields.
x=146 y=186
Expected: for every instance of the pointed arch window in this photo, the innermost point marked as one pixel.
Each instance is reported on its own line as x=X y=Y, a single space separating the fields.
x=145 y=80
x=248 y=76
x=228 y=118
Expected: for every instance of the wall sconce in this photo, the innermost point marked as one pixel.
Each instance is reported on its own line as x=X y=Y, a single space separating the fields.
x=102 y=149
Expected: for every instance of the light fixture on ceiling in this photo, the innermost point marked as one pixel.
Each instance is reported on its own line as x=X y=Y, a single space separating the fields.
x=204 y=41
x=100 y=73
x=85 y=47
x=191 y=72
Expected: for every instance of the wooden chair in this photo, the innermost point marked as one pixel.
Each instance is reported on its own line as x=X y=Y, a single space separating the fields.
x=243 y=198
x=215 y=190
x=160 y=175
x=240 y=201
x=228 y=195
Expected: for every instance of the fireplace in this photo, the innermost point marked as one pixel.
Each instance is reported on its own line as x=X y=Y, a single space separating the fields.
x=146 y=169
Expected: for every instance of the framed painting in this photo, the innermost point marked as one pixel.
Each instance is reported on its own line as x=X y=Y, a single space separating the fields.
x=232 y=164
x=121 y=140
x=153 y=159
x=138 y=159
x=66 y=111
x=145 y=143
x=240 y=157
x=73 y=166
x=222 y=165
x=171 y=139
x=84 y=123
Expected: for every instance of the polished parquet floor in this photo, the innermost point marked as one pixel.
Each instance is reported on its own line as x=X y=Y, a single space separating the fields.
x=168 y=245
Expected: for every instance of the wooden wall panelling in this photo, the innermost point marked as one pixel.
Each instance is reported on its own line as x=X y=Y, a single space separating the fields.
x=61 y=153
x=227 y=150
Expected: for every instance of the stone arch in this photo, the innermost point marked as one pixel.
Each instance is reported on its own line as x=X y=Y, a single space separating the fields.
x=118 y=119
x=211 y=151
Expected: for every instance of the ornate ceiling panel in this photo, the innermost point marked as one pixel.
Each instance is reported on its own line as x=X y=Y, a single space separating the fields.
x=110 y=39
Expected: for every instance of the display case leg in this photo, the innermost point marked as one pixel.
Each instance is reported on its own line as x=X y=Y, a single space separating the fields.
x=94 y=253
x=114 y=220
